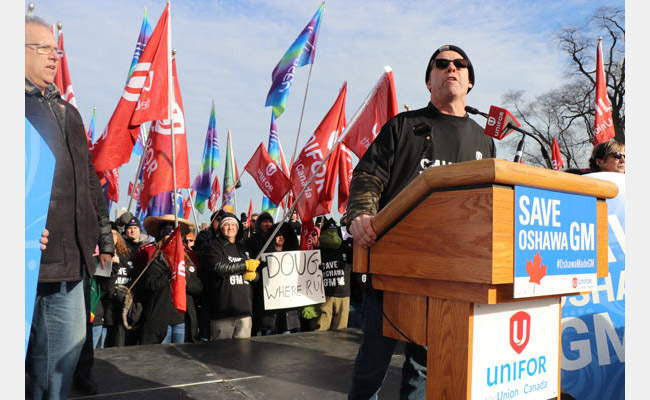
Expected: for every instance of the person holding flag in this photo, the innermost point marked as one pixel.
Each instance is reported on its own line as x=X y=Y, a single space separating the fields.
x=437 y=134
x=168 y=281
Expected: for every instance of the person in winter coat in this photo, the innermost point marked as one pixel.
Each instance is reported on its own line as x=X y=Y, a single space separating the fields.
x=229 y=270
x=161 y=322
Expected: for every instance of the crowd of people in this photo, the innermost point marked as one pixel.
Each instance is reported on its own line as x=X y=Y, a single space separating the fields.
x=108 y=283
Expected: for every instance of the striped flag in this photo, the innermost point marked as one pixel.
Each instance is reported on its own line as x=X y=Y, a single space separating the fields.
x=274 y=152
x=301 y=52
x=230 y=177
x=209 y=163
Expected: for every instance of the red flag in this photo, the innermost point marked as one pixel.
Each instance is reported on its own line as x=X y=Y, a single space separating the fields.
x=345 y=177
x=380 y=106
x=315 y=198
x=306 y=234
x=556 y=156
x=603 y=123
x=250 y=212
x=158 y=177
x=214 y=197
x=172 y=249
x=187 y=205
x=62 y=79
x=145 y=98
x=112 y=177
x=270 y=179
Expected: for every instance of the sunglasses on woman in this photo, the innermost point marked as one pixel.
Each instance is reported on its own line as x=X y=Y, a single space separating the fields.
x=617 y=155
x=443 y=63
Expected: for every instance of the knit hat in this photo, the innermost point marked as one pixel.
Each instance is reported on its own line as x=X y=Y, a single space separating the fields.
x=134 y=222
x=451 y=47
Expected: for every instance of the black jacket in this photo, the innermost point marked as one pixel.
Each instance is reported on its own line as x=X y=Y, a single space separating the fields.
x=77 y=217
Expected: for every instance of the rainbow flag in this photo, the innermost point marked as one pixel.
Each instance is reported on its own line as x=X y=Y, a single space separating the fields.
x=209 y=163
x=143 y=39
x=301 y=52
x=230 y=178
x=274 y=152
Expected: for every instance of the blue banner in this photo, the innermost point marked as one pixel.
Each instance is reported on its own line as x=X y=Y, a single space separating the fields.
x=39 y=171
x=593 y=325
x=555 y=242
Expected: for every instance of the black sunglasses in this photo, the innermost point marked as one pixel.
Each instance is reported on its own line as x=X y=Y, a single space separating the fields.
x=442 y=63
x=617 y=155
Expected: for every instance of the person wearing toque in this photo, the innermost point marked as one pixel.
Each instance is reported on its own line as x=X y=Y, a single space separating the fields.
x=228 y=272
x=439 y=133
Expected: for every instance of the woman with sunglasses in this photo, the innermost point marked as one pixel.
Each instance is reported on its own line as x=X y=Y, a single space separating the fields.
x=608 y=157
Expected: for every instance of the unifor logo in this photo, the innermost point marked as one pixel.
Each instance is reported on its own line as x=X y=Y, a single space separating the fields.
x=519 y=331
x=270 y=169
x=491 y=121
x=574 y=282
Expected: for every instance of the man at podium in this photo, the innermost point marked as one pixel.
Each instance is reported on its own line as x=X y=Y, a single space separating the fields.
x=440 y=133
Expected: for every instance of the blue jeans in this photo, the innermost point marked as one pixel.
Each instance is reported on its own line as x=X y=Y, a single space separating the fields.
x=99 y=336
x=375 y=354
x=175 y=334
x=57 y=335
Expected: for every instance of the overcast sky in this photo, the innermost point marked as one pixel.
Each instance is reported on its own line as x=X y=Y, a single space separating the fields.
x=227 y=50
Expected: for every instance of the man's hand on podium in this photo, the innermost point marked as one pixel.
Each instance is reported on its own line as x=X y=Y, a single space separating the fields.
x=362 y=231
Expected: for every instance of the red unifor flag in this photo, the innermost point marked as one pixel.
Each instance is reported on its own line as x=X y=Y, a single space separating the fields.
x=214 y=196
x=145 y=98
x=314 y=200
x=158 y=175
x=250 y=212
x=379 y=107
x=187 y=205
x=62 y=79
x=172 y=249
x=345 y=177
x=603 y=123
x=268 y=176
x=556 y=156
x=306 y=234
x=112 y=177
x=136 y=196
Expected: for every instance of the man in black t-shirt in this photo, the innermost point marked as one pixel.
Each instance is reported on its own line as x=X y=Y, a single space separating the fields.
x=440 y=133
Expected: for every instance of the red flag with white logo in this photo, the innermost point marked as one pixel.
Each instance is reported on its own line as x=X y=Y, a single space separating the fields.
x=314 y=199
x=145 y=98
x=307 y=231
x=158 y=175
x=345 y=177
x=270 y=179
x=62 y=79
x=379 y=107
x=187 y=205
x=216 y=192
x=172 y=249
x=112 y=177
x=556 y=156
x=603 y=123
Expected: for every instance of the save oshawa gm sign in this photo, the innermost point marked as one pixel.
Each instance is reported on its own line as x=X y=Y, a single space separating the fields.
x=515 y=350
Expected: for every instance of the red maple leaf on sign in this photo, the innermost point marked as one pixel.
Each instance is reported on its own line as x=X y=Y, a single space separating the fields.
x=536 y=270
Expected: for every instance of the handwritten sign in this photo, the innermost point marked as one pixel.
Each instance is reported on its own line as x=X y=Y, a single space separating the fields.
x=292 y=279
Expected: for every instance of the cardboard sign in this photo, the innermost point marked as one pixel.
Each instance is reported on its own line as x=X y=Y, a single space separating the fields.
x=39 y=171
x=515 y=350
x=555 y=242
x=292 y=279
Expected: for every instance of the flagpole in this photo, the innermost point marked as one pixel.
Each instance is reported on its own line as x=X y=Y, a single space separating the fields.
x=170 y=94
x=137 y=172
x=304 y=100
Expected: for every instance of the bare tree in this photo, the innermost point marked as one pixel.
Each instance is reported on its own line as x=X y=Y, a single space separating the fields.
x=567 y=113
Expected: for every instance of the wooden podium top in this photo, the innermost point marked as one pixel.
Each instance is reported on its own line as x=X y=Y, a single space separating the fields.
x=488 y=171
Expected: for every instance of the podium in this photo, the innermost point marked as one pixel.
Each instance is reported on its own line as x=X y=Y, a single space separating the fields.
x=445 y=246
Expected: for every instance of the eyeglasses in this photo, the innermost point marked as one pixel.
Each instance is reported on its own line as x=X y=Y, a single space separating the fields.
x=617 y=155
x=442 y=63
x=45 y=49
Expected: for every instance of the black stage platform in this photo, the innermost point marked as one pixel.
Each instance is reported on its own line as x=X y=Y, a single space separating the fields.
x=309 y=365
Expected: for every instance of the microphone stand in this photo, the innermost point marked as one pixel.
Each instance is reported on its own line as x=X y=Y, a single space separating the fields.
x=520 y=149
x=521 y=143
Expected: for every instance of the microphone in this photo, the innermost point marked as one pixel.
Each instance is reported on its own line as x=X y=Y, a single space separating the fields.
x=500 y=123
